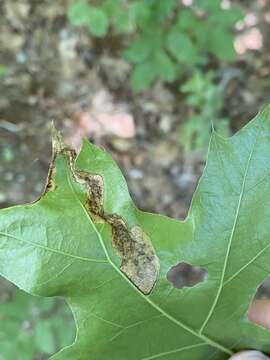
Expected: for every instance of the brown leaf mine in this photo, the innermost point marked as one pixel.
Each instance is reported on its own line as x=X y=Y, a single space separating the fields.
x=57 y=147
x=138 y=259
x=140 y=264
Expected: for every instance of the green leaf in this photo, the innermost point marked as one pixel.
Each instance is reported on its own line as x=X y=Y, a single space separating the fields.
x=78 y=13
x=24 y=332
x=143 y=75
x=180 y=45
x=124 y=23
x=3 y=70
x=98 y=22
x=141 y=13
x=120 y=15
x=226 y=18
x=85 y=240
x=201 y=35
x=44 y=337
x=221 y=43
x=186 y=19
x=113 y=7
x=163 y=9
x=138 y=51
x=209 y=5
x=191 y=130
x=83 y=14
x=165 y=67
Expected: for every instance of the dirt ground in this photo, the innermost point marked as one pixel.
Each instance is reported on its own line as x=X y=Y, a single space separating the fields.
x=56 y=72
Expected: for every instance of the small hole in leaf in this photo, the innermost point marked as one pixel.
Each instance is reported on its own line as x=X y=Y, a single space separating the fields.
x=259 y=309
x=186 y=275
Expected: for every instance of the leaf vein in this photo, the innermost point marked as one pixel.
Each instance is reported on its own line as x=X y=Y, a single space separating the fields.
x=59 y=252
x=236 y=217
x=184 y=348
x=246 y=265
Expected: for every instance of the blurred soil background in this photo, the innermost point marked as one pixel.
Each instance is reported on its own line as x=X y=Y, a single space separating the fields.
x=51 y=69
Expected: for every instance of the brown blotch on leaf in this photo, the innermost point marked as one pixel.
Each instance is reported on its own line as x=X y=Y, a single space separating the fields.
x=50 y=184
x=57 y=147
x=95 y=194
x=140 y=264
x=138 y=259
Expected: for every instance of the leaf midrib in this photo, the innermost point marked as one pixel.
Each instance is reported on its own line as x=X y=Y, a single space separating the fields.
x=236 y=217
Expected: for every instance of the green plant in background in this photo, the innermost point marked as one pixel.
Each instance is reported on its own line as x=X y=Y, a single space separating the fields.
x=42 y=328
x=205 y=99
x=166 y=38
x=166 y=41
x=82 y=14
x=3 y=70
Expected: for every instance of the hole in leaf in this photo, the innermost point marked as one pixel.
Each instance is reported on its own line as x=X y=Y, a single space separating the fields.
x=259 y=309
x=186 y=275
x=263 y=291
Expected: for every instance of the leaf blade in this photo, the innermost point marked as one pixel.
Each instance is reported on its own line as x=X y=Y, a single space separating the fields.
x=104 y=300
